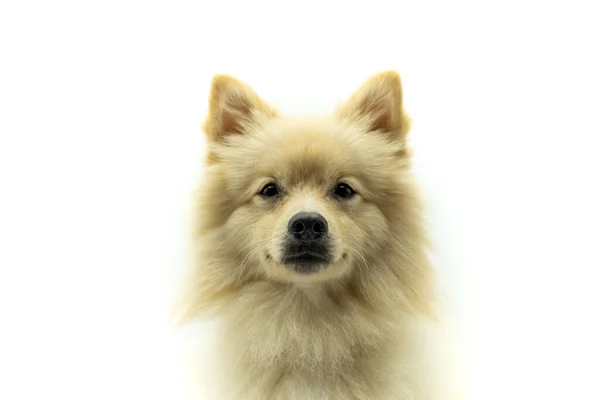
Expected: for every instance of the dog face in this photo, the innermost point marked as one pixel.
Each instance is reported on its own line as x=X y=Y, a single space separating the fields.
x=305 y=199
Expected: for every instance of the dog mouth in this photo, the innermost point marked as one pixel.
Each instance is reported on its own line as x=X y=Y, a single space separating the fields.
x=306 y=258
x=303 y=257
x=306 y=262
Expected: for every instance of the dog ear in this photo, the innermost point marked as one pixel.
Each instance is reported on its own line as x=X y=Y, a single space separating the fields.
x=378 y=105
x=233 y=108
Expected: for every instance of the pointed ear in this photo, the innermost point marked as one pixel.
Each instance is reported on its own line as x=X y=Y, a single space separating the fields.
x=378 y=105
x=233 y=108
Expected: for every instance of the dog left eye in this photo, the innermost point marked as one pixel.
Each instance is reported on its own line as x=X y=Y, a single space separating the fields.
x=344 y=191
x=269 y=190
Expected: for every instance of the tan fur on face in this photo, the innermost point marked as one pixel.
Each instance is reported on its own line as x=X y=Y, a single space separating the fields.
x=340 y=333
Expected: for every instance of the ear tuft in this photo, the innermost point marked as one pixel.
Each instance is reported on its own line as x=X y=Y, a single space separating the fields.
x=233 y=108
x=378 y=104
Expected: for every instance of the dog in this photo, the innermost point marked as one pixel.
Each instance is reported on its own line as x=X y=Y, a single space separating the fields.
x=311 y=250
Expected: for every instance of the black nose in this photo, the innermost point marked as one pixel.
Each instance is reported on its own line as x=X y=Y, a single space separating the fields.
x=307 y=226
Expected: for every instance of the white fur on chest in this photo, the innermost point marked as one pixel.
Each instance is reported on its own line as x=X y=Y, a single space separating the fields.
x=270 y=351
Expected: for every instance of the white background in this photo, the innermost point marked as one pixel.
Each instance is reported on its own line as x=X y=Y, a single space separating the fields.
x=100 y=143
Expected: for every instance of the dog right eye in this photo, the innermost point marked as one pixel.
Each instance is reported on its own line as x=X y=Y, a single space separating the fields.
x=269 y=190
x=343 y=191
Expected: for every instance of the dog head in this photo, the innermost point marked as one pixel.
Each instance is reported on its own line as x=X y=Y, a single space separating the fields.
x=305 y=199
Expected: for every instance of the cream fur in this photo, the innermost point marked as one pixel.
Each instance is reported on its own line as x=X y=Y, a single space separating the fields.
x=349 y=331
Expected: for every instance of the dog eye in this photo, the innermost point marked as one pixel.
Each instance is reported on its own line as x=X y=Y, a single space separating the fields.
x=269 y=190
x=344 y=191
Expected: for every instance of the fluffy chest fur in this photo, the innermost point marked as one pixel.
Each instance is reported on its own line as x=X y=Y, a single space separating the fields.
x=302 y=343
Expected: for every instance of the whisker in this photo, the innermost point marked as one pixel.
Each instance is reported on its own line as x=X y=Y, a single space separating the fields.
x=247 y=259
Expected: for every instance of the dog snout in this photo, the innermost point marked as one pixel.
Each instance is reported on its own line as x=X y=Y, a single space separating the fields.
x=308 y=226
